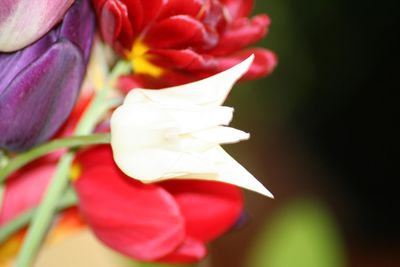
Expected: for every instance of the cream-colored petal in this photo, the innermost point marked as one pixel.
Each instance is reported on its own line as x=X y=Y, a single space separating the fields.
x=221 y=135
x=198 y=118
x=211 y=91
x=176 y=133
x=230 y=171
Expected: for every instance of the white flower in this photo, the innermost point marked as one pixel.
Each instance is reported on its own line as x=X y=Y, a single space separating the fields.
x=176 y=133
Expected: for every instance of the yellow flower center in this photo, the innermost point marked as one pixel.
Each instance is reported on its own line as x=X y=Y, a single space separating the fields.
x=140 y=62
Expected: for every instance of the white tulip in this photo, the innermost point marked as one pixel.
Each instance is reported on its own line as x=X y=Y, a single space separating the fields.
x=176 y=133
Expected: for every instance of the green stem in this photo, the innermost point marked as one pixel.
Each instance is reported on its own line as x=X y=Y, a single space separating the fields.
x=68 y=200
x=3 y=158
x=45 y=211
x=37 y=152
x=99 y=104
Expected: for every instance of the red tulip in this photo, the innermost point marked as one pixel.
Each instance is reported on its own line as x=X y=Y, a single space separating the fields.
x=25 y=188
x=164 y=222
x=178 y=41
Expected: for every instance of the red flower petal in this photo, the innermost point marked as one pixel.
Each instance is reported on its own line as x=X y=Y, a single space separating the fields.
x=238 y=8
x=180 y=32
x=264 y=62
x=142 y=13
x=176 y=7
x=209 y=208
x=141 y=221
x=129 y=82
x=184 y=59
x=243 y=32
x=115 y=26
x=26 y=187
x=190 y=251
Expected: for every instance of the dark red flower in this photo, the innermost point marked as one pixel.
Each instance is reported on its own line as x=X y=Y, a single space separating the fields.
x=164 y=222
x=178 y=41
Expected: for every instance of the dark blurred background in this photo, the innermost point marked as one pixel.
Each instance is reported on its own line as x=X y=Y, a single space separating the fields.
x=323 y=128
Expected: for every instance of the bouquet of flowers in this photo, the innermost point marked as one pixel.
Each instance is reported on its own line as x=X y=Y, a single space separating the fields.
x=112 y=118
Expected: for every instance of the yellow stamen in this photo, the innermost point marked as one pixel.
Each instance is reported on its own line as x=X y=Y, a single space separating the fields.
x=140 y=62
x=75 y=172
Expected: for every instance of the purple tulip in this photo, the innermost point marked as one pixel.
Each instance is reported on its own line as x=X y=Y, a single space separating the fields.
x=39 y=84
x=22 y=22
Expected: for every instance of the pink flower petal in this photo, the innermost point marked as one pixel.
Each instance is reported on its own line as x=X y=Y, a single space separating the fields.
x=23 y=22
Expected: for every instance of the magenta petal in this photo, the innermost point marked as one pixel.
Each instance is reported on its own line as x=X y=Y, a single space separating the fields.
x=140 y=221
x=23 y=22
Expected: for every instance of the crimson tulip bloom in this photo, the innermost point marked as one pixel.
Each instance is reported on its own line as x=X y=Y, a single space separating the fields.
x=178 y=41
x=40 y=83
x=164 y=222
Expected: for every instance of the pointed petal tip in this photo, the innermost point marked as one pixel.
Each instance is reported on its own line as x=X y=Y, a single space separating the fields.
x=242 y=67
x=264 y=191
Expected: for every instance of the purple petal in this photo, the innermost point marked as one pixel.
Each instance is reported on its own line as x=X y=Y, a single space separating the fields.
x=39 y=84
x=23 y=22
x=39 y=100
x=79 y=14
x=13 y=63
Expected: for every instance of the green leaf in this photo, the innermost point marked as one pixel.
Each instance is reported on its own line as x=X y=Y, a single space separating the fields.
x=303 y=234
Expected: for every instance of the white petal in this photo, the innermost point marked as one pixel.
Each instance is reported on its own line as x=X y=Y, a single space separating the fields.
x=231 y=172
x=175 y=133
x=224 y=169
x=221 y=135
x=195 y=119
x=211 y=91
